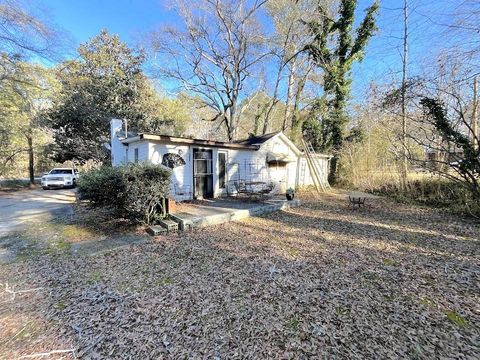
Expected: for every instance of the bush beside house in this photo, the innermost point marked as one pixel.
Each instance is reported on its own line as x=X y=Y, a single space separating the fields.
x=136 y=191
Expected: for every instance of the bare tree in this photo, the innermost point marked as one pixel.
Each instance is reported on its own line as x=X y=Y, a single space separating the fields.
x=447 y=135
x=442 y=123
x=25 y=32
x=404 y=160
x=461 y=34
x=212 y=54
x=292 y=64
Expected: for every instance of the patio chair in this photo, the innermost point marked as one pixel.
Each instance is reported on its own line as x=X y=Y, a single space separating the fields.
x=240 y=186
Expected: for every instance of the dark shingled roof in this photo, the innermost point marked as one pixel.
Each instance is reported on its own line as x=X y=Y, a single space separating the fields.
x=257 y=140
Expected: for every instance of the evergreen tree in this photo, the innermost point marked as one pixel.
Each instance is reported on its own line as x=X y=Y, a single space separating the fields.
x=106 y=81
x=334 y=49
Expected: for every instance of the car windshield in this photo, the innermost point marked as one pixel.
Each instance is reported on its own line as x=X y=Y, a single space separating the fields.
x=60 y=171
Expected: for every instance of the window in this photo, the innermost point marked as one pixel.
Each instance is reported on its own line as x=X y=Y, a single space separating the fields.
x=61 y=172
x=222 y=167
x=136 y=155
x=203 y=162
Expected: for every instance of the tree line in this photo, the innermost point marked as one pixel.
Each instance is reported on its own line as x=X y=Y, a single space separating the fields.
x=228 y=70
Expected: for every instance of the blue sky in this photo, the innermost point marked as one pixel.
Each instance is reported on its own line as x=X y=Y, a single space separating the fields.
x=83 y=19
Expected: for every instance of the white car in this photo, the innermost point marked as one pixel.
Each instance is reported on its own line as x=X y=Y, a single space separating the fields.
x=60 y=178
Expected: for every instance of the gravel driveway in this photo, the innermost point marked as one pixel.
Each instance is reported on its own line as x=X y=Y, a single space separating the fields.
x=17 y=208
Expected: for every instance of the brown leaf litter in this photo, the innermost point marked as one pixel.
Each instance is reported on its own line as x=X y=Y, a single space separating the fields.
x=318 y=281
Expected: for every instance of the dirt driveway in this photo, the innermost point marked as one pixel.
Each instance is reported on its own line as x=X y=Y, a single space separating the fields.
x=17 y=208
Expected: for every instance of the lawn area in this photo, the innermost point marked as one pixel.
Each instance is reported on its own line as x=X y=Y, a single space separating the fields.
x=318 y=281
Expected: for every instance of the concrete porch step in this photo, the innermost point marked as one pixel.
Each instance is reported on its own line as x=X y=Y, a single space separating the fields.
x=156 y=230
x=168 y=224
x=206 y=215
x=163 y=227
x=184 y=224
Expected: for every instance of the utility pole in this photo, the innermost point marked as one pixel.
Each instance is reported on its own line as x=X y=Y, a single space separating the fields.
x=403 y=165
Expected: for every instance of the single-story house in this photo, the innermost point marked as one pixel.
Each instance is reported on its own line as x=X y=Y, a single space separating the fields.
x=205 y=168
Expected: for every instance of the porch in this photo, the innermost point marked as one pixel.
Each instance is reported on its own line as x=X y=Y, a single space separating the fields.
x=201 y=213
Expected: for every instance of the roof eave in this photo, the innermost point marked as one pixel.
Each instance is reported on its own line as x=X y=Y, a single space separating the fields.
x=289 y=142
x=185 y=141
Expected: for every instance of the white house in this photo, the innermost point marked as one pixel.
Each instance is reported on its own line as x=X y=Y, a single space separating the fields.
x=205 y=168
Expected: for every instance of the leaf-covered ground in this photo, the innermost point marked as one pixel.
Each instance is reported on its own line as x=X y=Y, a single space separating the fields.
x=318 y=281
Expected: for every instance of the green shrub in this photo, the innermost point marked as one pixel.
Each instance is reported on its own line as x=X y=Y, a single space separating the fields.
x=136 y=191
x=146 y=187
x=103 y=186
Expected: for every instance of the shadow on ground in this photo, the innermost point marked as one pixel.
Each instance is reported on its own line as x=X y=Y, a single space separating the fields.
x=319 y=281
x=71 y=228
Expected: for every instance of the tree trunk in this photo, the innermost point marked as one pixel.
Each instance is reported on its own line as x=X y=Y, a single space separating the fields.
x=474 y=130
x=291 y=82
x=256 y=127
x=31 y=170
x=273 y=102
x=266 y=123
x=232 y=128
x=296 y=104
x=403 y=165
x=234 y=114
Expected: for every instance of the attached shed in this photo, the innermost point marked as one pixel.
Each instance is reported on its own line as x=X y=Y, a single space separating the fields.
x=205 y=168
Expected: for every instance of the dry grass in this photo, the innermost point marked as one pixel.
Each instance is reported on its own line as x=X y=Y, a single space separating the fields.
x=319 y=281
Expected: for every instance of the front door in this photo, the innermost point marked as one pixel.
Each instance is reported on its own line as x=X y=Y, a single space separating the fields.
x=203 y=173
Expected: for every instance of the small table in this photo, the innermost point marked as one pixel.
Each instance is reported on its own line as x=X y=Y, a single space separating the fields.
x=353 y=200
x=358 y=198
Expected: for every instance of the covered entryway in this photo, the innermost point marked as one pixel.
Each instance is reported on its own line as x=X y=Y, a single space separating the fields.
x=203 y=173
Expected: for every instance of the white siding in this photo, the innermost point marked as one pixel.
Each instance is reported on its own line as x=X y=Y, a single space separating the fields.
x=282 y=175
x=242 y=164
x=181 y=187
x=248 y=165
x=252 y=165
x=122 y=154
x=117 y=148
x=142 y=147
x=304 y=175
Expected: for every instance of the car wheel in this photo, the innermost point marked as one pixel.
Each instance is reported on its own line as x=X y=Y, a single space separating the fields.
x=45 y=188
x=74 y=184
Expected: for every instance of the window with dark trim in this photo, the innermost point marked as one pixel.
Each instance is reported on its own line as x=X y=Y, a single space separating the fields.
x=222 y=167
x=136 y=155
